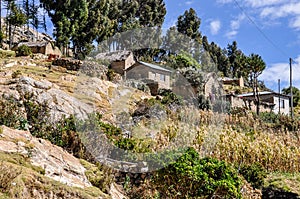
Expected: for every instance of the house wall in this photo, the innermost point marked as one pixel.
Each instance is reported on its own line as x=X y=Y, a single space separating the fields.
x=286 y=105
x=163 y=78
x=38 y=49
x=52 y=51
x=270 y=99
x=234 y=82
x=118 y=67
x=129 y=61
x=143 y=72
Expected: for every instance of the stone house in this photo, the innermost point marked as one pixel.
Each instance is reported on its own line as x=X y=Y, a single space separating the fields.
x=269 y=101
x=119 y=61
x=147 y=72
x=45 y=47
x=124 y=63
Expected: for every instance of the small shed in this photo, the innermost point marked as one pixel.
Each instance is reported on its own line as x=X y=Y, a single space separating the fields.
x=44 y=47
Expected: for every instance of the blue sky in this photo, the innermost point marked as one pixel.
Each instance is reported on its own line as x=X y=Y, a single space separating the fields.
x=270 y=28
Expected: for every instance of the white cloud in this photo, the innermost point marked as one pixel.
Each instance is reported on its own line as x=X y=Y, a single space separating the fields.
x=263 y=3
x=273 y=10
x=215 y=26
x=295 y=23
x=231 y=34
x=282 y=71
x=224 y=1
x=234 y=26
x=188 y=2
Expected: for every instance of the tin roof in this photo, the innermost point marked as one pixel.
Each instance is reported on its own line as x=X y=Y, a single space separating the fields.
x=153 y=66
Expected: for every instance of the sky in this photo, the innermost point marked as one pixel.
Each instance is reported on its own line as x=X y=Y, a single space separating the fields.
x=270 y=28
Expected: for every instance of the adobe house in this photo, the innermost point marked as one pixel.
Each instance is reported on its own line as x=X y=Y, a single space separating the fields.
x=45 y=47
x=124 y=63
x=269 y=101
x=120 y=61
x=146 y=71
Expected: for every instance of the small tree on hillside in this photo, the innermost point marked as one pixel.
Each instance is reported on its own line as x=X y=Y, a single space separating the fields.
x=255 y=66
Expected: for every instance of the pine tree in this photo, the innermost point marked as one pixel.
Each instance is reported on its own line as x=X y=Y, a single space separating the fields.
x=189 y=24
x=255 y=66
x=151 y=13
x=236 y=60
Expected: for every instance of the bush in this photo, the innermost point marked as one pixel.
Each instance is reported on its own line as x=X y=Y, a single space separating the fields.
x=16 y=74
x=254 y=174
x=23 y=50
x=192 y=177
x=10 y=113
x=169 y=97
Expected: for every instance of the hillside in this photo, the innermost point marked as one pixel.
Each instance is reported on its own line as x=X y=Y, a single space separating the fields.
x=46 y=101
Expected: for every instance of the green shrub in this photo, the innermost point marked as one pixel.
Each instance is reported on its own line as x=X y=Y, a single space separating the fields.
x=23 y=50
x=99 y=175
x=169 y=97
x=2 y=36
x=16 y=74
x=203 y=102
x=192 y=177
x=269 y=117
x=11 y=114
x=254 y=174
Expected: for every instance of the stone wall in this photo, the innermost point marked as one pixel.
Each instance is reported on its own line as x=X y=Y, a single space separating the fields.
x=68 y=63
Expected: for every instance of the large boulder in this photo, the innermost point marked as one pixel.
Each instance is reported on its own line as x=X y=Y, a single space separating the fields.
x=57 y=163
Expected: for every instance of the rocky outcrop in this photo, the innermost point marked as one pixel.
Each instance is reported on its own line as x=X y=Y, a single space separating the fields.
x=57 y=163
x=44 y=92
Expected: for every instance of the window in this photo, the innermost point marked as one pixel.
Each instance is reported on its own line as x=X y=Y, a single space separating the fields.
x=162 y=77
x=281 y=103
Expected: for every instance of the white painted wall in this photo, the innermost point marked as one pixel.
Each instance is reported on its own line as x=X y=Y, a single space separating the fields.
x=286 y=109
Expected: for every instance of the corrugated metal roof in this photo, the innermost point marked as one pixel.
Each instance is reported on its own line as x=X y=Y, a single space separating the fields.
x=262 y=93
x=154 y=66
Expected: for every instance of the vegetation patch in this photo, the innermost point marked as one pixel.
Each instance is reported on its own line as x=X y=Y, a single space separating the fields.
x=288 y=182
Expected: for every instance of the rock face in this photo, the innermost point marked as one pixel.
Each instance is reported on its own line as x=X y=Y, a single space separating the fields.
x=57 y=163
x=59 y=102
